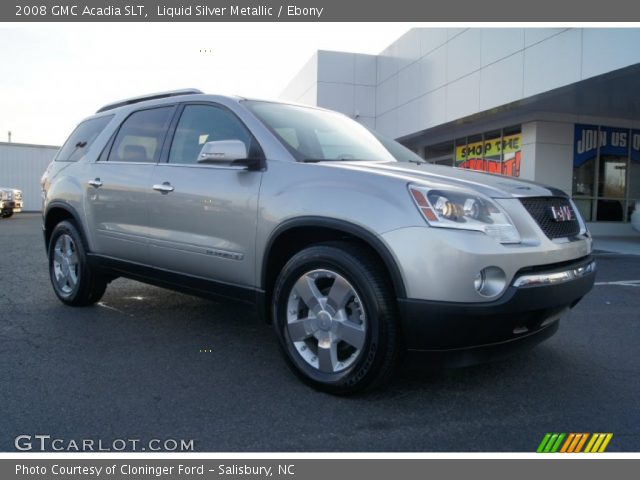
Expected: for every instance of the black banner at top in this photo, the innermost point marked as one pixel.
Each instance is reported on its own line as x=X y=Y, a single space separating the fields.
x=318 y=11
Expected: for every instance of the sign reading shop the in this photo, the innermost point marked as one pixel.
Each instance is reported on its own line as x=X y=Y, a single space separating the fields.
x=489 y=148
x=500 y=155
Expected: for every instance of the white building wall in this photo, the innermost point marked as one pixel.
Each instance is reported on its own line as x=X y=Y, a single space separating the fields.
x=460 y=72
x=528 y=149
x=341 y=81
x=432 y=76
x=302 y=87
x=22 y=166
x=554 y=145
x=546 y=147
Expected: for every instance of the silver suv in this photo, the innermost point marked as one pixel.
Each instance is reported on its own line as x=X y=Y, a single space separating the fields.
x=353 y=256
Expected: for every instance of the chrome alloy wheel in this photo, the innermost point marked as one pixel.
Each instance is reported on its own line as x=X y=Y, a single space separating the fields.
x=326 y=321
x=65 y=264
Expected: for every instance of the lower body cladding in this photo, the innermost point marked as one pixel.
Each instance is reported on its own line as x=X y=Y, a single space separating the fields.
x=526 y=313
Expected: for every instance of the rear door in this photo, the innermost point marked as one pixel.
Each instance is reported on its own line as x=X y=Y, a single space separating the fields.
x=120 y=184
x=204 y=221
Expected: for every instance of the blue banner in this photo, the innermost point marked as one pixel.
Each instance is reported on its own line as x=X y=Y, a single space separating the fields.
x=614 y=141
x=585 y=143
x=611 y=141
x=635 y=146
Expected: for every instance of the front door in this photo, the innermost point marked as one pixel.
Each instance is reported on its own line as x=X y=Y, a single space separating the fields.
x=203 y=218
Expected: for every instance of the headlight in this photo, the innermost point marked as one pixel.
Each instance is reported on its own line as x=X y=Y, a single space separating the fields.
x=464 y=211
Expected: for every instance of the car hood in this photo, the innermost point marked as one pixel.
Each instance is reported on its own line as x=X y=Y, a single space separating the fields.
x=494 y=186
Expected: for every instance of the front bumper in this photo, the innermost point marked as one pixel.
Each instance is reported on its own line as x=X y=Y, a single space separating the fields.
x=440 y=264
x=522 y=313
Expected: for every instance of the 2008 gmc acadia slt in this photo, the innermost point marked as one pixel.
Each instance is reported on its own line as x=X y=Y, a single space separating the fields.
x=352 y=255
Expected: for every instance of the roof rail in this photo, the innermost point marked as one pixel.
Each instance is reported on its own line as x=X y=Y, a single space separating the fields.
x=151 y=96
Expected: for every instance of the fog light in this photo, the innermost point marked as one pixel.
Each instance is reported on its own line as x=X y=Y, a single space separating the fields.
x=490 y=281
x=478 y=282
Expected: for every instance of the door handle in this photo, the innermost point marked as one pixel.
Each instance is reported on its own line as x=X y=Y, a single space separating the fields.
x=163 y=188
x=95 y=183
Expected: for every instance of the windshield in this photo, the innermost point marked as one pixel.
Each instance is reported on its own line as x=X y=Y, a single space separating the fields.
x=319 y=135
x=399 y=151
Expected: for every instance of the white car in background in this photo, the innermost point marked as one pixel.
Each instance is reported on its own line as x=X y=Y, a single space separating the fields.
x=10 y=201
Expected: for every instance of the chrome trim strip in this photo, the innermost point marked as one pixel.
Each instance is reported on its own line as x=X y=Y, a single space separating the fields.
x=539 y=279
x=203 y=165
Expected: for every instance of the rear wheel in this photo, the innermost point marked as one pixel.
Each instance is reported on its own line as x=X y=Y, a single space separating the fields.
x=74 y=281
x=334 y=314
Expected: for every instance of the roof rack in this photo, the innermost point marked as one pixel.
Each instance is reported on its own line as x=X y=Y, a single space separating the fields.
x=151 y=96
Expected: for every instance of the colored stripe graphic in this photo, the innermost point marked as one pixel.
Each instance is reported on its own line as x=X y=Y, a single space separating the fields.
x=604 y=445
x=567 y=443
x=596 y=446
x=578 y=437
x=581 y=443
x=556 y=446
x=550 y=443
x=574 y=442
x=590 y=444
x=598 y=442
x=543 y=443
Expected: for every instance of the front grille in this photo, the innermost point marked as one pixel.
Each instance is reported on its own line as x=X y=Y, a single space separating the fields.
x=540 y=210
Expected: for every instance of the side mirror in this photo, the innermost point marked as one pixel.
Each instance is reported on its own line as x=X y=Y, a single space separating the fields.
x=223 y=152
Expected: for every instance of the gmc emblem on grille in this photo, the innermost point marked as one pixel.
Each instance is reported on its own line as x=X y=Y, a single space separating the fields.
x=562 y=214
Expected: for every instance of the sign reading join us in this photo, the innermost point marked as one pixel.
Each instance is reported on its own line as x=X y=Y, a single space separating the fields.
x=610 y=140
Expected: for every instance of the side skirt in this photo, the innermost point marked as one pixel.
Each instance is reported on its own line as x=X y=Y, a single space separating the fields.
x=192 y=285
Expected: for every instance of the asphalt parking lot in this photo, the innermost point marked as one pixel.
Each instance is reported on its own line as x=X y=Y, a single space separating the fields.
x=147 y=363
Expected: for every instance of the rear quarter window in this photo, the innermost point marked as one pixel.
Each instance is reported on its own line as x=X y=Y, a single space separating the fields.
x=81 y=139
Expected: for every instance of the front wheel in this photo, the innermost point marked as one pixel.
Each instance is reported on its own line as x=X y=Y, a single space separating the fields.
x=74 y=281
x=7 y=214
x=334 y=313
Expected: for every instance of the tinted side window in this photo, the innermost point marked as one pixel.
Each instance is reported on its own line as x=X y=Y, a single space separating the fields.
x=140 y=136
x=81 y=139
x=200 y=124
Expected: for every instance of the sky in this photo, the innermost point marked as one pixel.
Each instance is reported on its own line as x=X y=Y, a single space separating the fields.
x=54 y=75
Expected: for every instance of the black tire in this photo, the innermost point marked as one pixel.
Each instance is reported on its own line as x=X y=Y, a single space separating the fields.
x=7 y=214
x=381 y=349
x=90 y=285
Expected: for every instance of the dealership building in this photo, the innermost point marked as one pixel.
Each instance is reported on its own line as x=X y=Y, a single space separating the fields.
x=558 y=106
